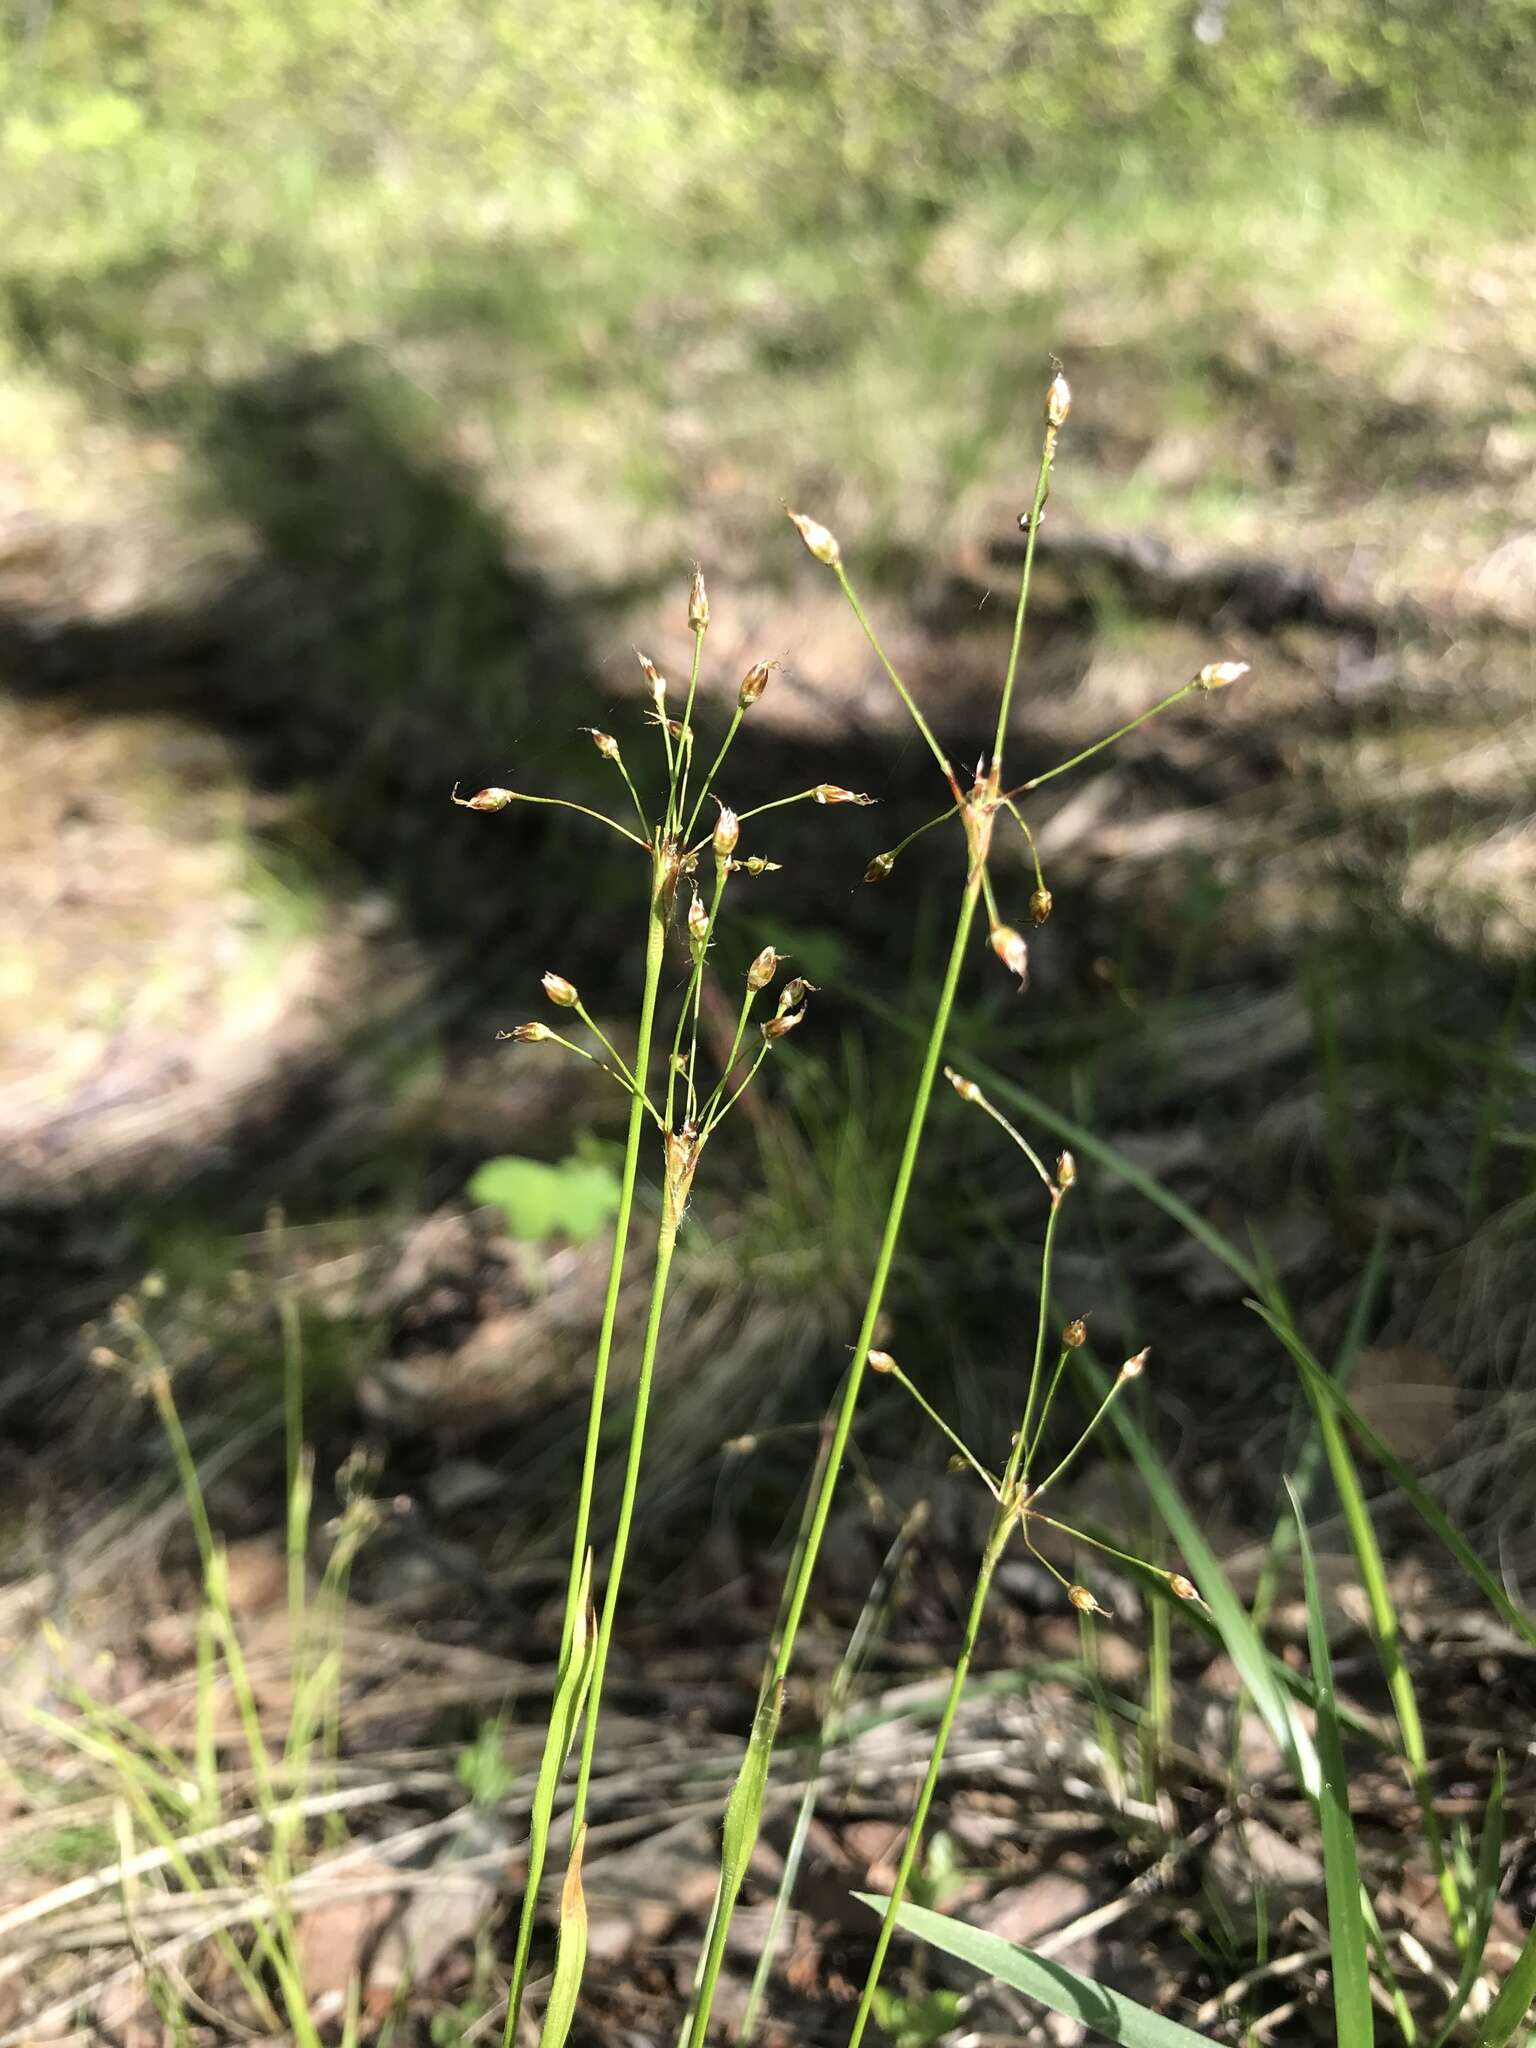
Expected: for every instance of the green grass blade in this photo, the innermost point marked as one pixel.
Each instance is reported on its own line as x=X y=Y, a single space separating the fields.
x=1352 y=2021
x=1435 y=1517
x=1514 y=2001
x=1486 y=1894
x=571 y=1955
x=1244 y=1645
x=743 y=1816
x=1096 y=2006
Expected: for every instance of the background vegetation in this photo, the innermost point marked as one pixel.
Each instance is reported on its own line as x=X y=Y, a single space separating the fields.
x=369 y=377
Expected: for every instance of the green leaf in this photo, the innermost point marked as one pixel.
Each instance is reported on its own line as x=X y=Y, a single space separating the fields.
x=917 y=2022
x=744 y=1809
x=1514 y=2001
x=1318 y=1381
x=1096 y=2006
x=1485 y=1895
x=570 y=1954
x=572 y=1199
x=1353 y=2026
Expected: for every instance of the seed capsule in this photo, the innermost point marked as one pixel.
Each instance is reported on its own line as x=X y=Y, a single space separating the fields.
x=755 y=864
x=794 y=993
x=653 y=676
x=881 y=1361
x=492 y=799
x=753 y=684
x=822 y=544
x=1084 y=1601
x=698 y=925
x=966 y=1090
x=1216 y=675
x=1066 y=1171
x=727 y=832
x=698 y=601
x=1058 y=401
x=561 y=991
x=1133 y=1368
x=1075 y=1335
x=834 y=793
x=1185 y=1588
x=880 y=867
x=763 y=969
x=604 y=742
x=1010 y=948
x=1040 y=905
x=528 y=1034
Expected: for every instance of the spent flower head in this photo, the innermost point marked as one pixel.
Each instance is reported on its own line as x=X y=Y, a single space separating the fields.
x=1011 y=949
x=492 y=799
x=1217 y=675
x=528 y=1034
x=763 y=969
x=753 y=683
x=1040 y=906
x=880 y=867
x=698 y=601
x=822 y=544
x=561 y=991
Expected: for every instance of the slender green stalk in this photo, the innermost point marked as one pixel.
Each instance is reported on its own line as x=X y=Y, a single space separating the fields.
x=666 y=1244
x=996 y=1543
x=933 y=1053
x=655 y=949
x=1042 y=492
x=1153 y=711
x=560 y=803
x=714 y=769
x=805 y=1570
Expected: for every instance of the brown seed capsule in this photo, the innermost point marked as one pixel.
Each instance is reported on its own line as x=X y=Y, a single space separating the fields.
x=604 y=742
x=727 y=832
x=1040 y=905
x=780 y=1026
x=763 y=969
x=794 y=993
x=966 y=1090
x=1216 y=675
x=1075 y=1335
x=1084 y=1601
x=957 y=1463
x=492 y=799
x=1010 y=948
x=657 y=681
x=1058 y=401
x=1066 y=1171
x=1184 y=1588
x=822 y=544
x=528 y=1034
x=698 y=601
x=561 y=991
x=698 y=925
x=834 y=793
x=881 y=1361
x=1133 y=1368
x=880 y=867
x=753 y=684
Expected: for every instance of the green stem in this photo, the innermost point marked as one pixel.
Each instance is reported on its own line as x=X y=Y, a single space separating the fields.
x=680 y=803
x=1021 y=1444
x=655 y=949
x=714 y=769
x=996 y=1543
x=1154 y=711
x=1042 y=489
x=885 y=662
x=666 y=1244
x=895 y=1214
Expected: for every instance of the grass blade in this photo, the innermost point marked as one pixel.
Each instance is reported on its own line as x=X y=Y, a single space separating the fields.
x=1514 y=2001
x=571 y=1955
x=1052 y=1984
x=1353 y=2026
x=1489 y=1849
x=743 y=1816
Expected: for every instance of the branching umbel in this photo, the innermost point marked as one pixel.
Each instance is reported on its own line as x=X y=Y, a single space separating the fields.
x=690 y=871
